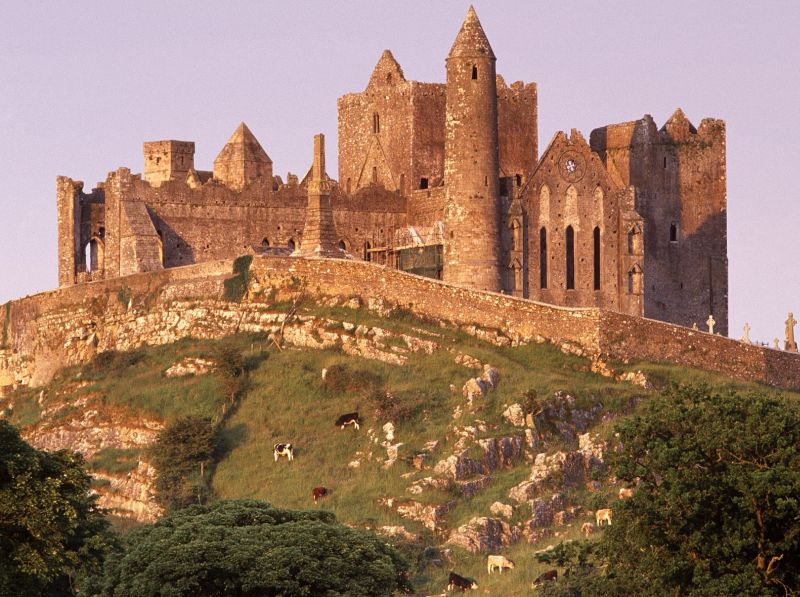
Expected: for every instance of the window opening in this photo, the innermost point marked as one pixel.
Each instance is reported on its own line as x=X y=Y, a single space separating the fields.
x=673 y=232
x=543 y=258
x=570 y=254
x=423 y=183
x=474 y=73
x=597 y=258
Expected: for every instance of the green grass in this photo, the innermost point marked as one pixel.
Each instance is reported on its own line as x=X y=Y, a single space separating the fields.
x=286 y=400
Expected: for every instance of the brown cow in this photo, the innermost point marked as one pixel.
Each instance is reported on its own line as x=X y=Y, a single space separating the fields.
x=544 y=577
x=587 y=528
x=605 y=514
x=319 y=492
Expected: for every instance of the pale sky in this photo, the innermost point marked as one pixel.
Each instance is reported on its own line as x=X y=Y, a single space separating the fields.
x=83 y=84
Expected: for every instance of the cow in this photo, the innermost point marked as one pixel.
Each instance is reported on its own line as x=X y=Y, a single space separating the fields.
x=605 y=514
x=456 y=581
x=348 y=419
x=499 y=562
x=625 y=492
x=283 y=450
x=319 y=492
x=587 y=528
x=544 y=577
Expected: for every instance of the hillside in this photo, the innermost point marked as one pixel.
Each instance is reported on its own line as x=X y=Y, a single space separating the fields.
x=452 y=424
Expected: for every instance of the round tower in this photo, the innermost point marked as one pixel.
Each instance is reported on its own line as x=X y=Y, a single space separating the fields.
x=472 y=252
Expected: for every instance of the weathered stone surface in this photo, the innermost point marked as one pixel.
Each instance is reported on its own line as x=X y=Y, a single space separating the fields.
x=431 y=516
x=515 y=415
x=501 y=509
x=190 y=366
x=483 y=534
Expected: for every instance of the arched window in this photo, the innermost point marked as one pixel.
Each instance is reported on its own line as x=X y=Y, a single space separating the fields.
x=516 y=233
x=342 y=246
x=474 y=73
x=543 y=258
x=93 y=255
x=634 y=240
x=673 y=232
x=635 y=279
x=376 y=123
x=265 y=243
x=291 y=244
x=570 y=254
x=596 y=235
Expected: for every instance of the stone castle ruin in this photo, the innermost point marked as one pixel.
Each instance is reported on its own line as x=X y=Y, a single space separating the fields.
x=443 y=180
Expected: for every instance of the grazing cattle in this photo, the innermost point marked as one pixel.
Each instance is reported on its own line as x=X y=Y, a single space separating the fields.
x=499 y=562
x=283 y=450
x=625 y=492
x=587 y=528
x=544 y=577
x=604 y=514
x=456 y=581
x=348 y=419
x=319 y=492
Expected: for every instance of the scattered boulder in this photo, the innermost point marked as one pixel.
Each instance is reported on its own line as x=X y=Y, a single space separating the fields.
x=470 y=488
x=501 y=451
x=515 y=415
x=483 y=534
x=398 y=531
x=190 y=366
x=501 y=509
x=458 y=466
x=421 y=485
x=524 y=492
x=430 y=515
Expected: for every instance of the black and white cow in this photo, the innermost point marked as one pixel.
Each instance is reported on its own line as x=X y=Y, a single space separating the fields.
x=456 y=581
x=348 y=419
x=283 y=450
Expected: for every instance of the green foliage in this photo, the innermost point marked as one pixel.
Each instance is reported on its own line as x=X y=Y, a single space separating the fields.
x=115 y=460
x=112 y=361
x=6 y=324
x=342 y=378
x=180 y=454
x=235 y=287
x=250 y=548
x=124 y=295
x=50 y=527
x=717 y=511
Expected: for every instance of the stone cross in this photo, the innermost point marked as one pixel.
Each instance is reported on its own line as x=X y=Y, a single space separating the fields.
x=790 y=344
x=746 y=334
x=694 y=326
x=776 y=344
x=710 y=323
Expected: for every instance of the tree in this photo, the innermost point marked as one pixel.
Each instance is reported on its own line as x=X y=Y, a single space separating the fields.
x=717 y=509
x=181 y=453
x=250 y=548
x=50 y=527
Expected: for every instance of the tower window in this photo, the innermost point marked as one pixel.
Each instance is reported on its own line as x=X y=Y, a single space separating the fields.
x=376 y=123
x=570 y=258
x=596 y=258
x=543 y=258
x=486 y=181
x=291 y=244
x=423 y=183
x=519 y=180
x=673 y=232
x=402 y=184
x=348 y=185
x=474 y=73
x=265 y=243
x=375 y=174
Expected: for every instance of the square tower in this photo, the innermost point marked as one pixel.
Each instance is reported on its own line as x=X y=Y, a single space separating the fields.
x=167 y=160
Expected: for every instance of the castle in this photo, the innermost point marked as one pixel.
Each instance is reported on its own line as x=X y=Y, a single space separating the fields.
x=444 y=181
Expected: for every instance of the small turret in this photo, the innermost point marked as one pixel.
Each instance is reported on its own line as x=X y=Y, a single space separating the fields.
x=167 y=160
x=242 y=160
x=472 y=252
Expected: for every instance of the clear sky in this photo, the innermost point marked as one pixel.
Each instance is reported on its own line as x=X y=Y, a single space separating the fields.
x=83 y=84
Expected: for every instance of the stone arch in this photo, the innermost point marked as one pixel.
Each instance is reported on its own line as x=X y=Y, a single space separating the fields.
x=635 y=279
x=265 y=243
x=544 y=205
x=543 y=257
x=94 y=254
x=571 y=207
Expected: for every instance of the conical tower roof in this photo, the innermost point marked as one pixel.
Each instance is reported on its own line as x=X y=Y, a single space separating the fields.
x=387 y=70
x=471 y=39
x=243 y=147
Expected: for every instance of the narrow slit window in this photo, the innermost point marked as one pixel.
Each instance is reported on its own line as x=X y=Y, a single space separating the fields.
x=376 y=123
x=543 y=258
x=673 y=232
x=474 y=73
x=596 y=258
x=375 y=174
x=570 y=254
x=423 y=183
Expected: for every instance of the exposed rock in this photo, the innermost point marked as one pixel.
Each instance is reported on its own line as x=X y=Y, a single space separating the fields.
x=398 y=531
x=130 y=495
x=191 y=366
x=421 y=485
x=524 y=492
x=392 y=451
x=531 y=439
x=430 y=515
x=501 y=509
x=491 y=375
x=593 y=451
x=468 y=361
x=515 y=415
x=458 y=466
x=470 y=488
x=475 y=388
x=484 y=534
x=543 y=511
x=501 y=451
x=569 y=464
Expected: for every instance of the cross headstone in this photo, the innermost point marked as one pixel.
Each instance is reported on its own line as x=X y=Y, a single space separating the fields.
x=694 y=326
x=790 y=344
x=746 y=334
x=710 y=323
x=776 y=344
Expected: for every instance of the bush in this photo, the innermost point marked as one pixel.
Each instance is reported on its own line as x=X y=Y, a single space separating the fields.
x=340 y=378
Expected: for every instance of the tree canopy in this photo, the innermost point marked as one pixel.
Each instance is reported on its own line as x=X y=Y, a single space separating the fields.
x=249 y=548
x=717 y=507
x=50 y=527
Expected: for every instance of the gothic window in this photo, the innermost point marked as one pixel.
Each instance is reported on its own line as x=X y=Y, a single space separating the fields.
x=423 y=183
x=673 y=232
x=291 y=244
x=543 y=258
x=516 y=232
x=635 y=280
x=265 y=243
x=376 y=123
x=474 y=73
x=596 y=235
x=570 y=254
x=342 y=246
x=634 y=241
x=486 y=181
x=544 y=204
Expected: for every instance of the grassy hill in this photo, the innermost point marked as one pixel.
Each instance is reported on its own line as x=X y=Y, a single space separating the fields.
x=285 y=399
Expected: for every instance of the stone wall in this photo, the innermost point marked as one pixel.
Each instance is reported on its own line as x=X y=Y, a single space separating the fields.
x=70 y=325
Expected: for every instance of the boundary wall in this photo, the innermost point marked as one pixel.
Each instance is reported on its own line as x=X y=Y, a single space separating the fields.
x=68 y=326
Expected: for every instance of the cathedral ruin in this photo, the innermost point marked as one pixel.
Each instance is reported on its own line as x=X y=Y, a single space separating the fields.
x=442 y=180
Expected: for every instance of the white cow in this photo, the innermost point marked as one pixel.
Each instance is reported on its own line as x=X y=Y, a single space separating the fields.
x=605 y=514
x=499 y=562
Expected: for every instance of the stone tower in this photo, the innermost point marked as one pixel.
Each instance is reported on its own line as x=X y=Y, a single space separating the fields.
x=472 y=252
x=167 y=160
x=319 y=232
x=242 y=160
